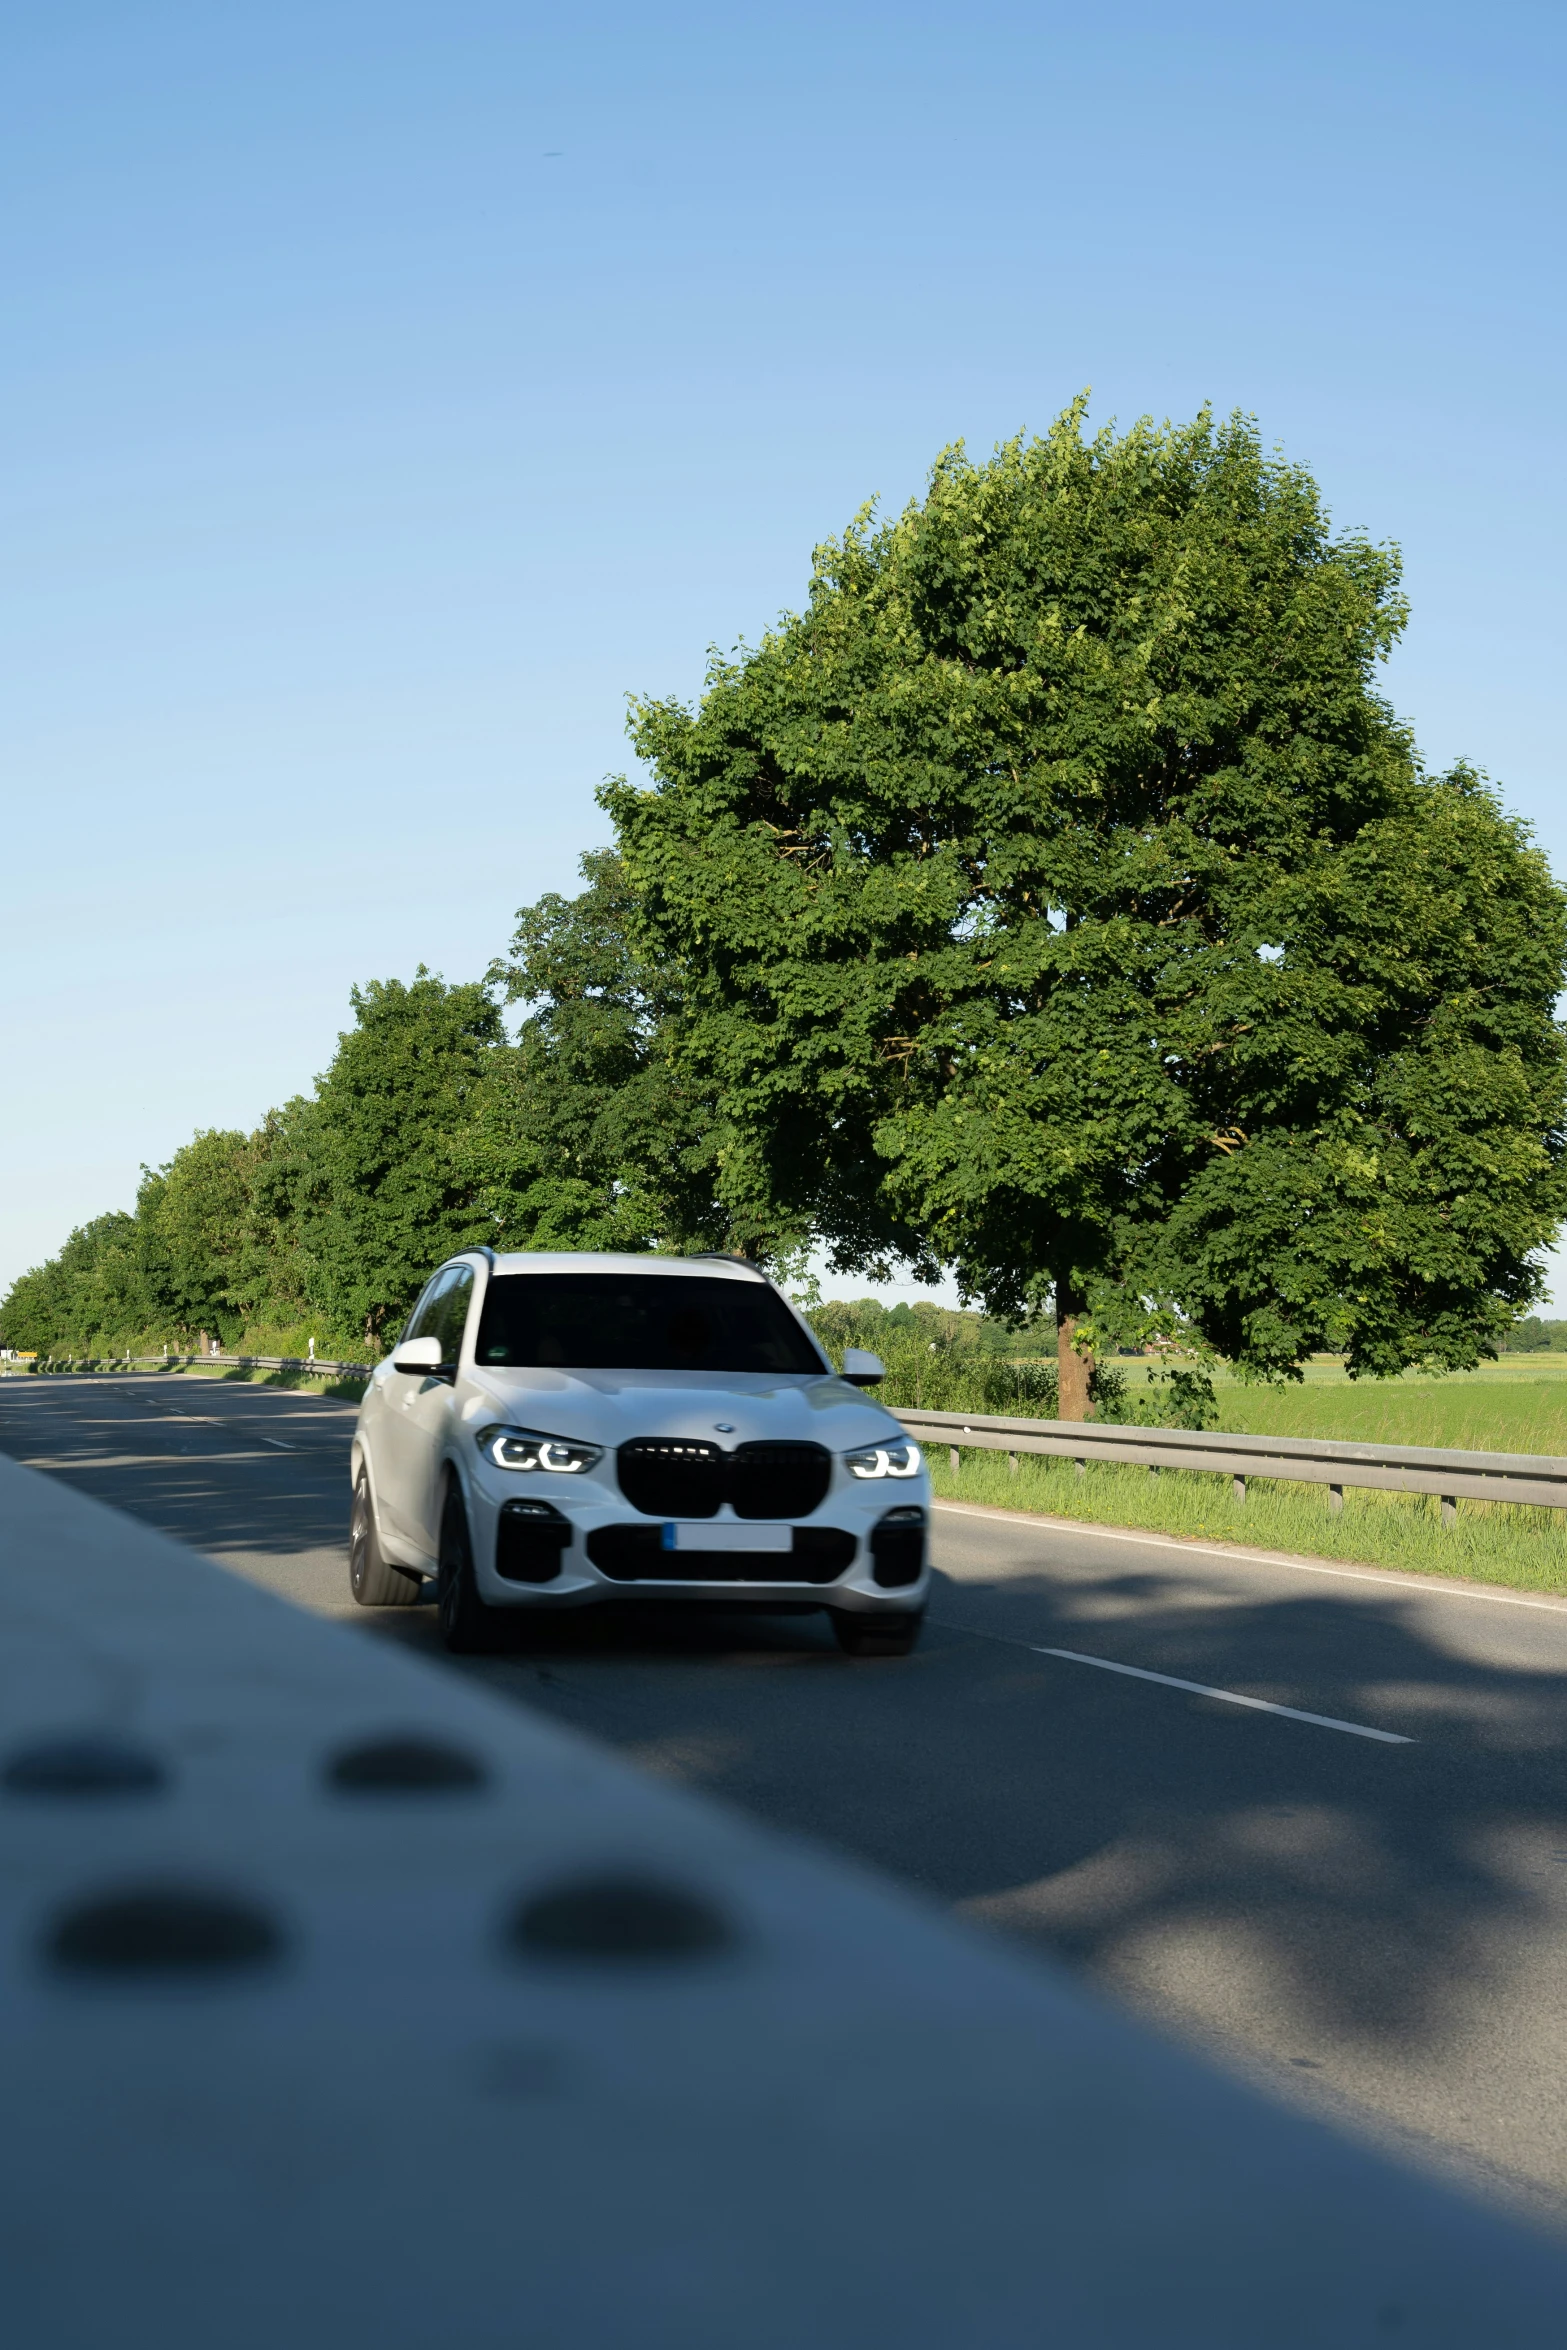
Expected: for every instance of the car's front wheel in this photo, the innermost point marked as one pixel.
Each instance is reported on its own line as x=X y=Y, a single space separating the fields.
x=888 y=1635
x=373 y=1580
x=468 y=1627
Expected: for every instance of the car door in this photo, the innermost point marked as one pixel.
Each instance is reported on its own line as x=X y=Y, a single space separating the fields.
x=418 y=1406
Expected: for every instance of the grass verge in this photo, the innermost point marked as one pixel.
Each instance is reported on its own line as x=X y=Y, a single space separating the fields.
x=1493 y=1542
x=341 y=1390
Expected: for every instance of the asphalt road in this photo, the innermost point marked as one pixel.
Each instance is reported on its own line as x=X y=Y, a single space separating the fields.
x=1374 y=1925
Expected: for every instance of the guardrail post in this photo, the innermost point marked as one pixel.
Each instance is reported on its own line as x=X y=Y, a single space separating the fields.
x=1081 y=1467
x=1011 y=1464
x=1238 y=1488
x=952 y=1457
x=1449 y=1510
x=1335 y=1499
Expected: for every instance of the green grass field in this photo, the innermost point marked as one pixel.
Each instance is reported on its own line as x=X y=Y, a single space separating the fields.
x=1491 y=1542
x=1516 y=1405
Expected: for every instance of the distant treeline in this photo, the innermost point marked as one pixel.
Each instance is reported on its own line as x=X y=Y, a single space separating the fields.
x=329 y=1213
x=1532 y=1336
x=939 y=1359
x=431 y=1129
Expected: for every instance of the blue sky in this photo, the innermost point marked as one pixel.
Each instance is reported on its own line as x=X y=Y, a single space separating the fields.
x=390 y=389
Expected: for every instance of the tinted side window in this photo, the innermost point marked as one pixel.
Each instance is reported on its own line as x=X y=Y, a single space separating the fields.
x=451 y=1311
x=421 y=1322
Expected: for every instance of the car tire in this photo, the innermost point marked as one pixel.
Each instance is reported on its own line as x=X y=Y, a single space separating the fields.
x=468 y=1627
x=372 y=1579
x=877 y=1635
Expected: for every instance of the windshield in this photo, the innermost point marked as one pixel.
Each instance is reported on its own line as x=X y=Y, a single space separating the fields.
x=639 y=1322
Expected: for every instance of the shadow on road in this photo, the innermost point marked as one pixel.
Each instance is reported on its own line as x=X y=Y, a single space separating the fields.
x=1093 y=1814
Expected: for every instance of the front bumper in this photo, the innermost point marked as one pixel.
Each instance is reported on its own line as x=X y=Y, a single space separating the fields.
x=863 y=1550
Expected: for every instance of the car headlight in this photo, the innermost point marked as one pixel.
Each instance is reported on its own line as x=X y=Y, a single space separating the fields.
x=526 y=1448
x=901 y=1459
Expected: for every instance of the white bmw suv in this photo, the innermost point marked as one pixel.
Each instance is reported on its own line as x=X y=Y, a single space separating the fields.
x=557 y=1431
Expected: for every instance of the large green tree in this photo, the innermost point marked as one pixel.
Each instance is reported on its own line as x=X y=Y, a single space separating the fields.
x=195 y=1227
x=379 y=1169
x=592 y=1135
x=1057 y=899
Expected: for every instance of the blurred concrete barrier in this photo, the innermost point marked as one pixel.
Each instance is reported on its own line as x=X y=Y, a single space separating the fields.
x=343 y=2002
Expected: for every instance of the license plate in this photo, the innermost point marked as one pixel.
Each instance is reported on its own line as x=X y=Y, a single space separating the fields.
x=709 y=1534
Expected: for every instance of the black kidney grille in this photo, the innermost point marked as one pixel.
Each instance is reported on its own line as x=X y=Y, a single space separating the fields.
x=634 y=1554
x=778 y=1480
x=679 y=1477
x=673 y=1477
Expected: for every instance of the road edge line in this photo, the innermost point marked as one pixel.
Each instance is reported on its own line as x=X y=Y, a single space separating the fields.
x=1269 y=1558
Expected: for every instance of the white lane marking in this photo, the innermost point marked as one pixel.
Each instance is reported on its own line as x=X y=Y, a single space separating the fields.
x=1438 y=1586
x=1261 y=1705
x=207 y=1420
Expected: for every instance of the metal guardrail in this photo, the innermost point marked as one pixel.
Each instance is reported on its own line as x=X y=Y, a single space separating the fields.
x=1540 y=1478
x=102 y=1365
x=342 y=2001
x=1453 y=1476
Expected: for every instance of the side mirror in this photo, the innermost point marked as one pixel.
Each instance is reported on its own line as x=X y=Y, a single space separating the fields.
x=417 y=1354
x=862 y=1369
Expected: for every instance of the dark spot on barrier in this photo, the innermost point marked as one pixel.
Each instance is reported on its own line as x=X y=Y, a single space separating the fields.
x=404 y=1766
x=83 y=1765
x=151 y=1930
x=523 y=2070
x=618 y=1918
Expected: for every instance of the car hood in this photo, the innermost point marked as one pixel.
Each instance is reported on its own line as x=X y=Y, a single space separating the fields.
x=609 y=1407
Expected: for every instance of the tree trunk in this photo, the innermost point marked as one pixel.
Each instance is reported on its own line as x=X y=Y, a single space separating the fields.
x=1074 y=1367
